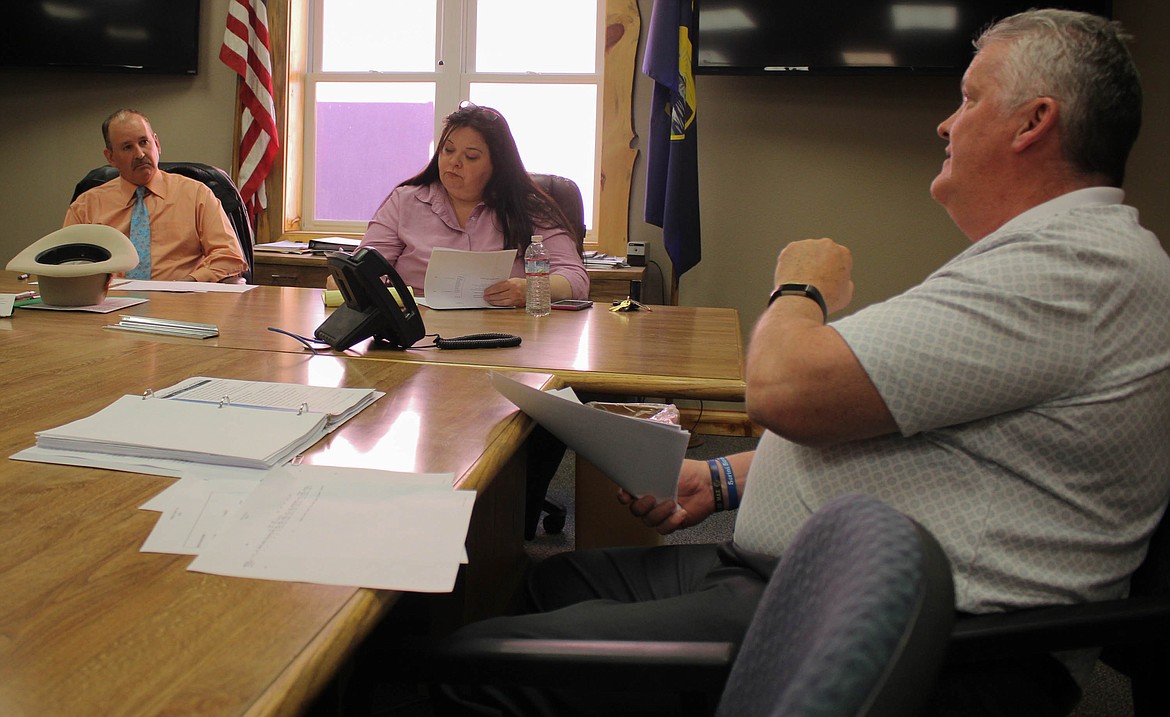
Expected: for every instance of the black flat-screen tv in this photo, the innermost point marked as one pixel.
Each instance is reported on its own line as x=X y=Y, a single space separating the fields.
x=149 y=36
x=828 y=37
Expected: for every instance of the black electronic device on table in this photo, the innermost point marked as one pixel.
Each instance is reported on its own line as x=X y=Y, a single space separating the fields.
x=369 y=308
x=571 y=304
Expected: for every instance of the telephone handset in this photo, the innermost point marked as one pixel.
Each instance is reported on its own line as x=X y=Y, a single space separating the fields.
x=369 y=308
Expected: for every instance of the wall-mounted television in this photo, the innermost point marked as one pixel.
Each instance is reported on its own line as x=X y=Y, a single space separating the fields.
x=149 y=36
x=826 y=37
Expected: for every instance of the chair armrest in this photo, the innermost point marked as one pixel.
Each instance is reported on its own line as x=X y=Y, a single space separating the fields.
x=690 y=666
x=1064 y=627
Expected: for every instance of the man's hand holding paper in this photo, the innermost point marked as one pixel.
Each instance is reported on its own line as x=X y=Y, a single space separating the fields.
x=692 y=505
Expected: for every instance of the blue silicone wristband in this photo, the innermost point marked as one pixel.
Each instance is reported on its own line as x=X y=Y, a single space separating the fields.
x=716 y=484
x=729 y=477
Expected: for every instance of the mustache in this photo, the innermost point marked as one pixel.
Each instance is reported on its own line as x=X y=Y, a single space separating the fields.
x=144 y=161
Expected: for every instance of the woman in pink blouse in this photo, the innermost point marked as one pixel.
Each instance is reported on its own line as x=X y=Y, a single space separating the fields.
x=475 y=195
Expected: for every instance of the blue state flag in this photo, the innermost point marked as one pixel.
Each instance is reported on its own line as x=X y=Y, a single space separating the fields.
x=672 y=175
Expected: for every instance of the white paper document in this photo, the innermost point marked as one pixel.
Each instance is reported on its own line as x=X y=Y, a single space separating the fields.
x=193 y=510
x=457 y=279
x=184 y=287
x=642 y=456
x=283 y=247
x=88 y=459
x=109 y=305
x=130 y=464
x=345 y=526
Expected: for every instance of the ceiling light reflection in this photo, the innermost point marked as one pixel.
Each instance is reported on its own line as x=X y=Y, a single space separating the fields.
x=867 y=59
x=326 y=371
x=581 y=359
x=729 y=20
x=395 y=450
x=924 y=17
x=65 y=11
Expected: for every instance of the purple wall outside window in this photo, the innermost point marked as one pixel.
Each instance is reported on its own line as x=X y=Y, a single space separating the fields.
x=364 y=150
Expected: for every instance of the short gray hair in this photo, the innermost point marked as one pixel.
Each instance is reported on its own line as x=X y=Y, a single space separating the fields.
x=1083 y=62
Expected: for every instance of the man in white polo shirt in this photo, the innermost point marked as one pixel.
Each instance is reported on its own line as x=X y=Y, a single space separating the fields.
x=1014 y=402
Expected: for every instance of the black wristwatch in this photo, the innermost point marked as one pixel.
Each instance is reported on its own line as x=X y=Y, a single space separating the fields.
x=806 y=290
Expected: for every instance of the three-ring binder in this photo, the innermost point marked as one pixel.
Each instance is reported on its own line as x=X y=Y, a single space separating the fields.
x=301 y=409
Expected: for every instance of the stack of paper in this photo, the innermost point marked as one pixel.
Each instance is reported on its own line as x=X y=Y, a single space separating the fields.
x=139 y=427
x=174 y=287
x=283 y=247
x=336 y=526
x=643 y=457
x=599 y=260
x=245 y=424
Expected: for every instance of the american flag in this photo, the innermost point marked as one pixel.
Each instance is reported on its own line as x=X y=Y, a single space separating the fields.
x=245 y=50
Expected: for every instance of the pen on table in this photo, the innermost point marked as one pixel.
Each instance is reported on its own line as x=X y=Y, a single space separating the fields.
x=25 y=295
x=22 y=277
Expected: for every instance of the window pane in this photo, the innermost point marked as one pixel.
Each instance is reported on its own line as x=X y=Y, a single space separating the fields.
x=370 y=136
x=555 y=127
x=378 y=35
x=536 y=36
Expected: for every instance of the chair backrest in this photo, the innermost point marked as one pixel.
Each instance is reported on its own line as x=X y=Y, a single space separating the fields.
x=1151 y=579
x=855 y=620
x=215 y=178
x=567 y=195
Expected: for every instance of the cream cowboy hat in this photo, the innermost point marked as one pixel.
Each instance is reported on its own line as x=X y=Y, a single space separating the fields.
x=73 y=265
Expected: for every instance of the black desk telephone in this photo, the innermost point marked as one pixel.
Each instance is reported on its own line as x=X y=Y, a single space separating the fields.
x=369 y=308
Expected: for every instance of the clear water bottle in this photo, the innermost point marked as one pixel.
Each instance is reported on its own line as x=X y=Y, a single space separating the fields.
x=536 y=266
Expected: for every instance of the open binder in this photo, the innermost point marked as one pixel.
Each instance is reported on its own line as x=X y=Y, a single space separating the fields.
x=246 y=424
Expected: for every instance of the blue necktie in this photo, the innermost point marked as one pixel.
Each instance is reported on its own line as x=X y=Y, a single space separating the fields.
x=140 y=235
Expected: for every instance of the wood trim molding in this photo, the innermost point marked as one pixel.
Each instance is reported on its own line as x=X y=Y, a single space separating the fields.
x=622 y=27
x=287 y=23
x=719 y=422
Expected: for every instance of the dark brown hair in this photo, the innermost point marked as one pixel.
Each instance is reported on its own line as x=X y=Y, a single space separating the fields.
x=521 y=207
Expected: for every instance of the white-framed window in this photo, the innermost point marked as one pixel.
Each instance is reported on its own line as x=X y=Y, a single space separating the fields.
x=382 y=74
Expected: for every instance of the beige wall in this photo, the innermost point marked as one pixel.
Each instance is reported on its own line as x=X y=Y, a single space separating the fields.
x=51 y=132
x=784 y=158
x=780 y=159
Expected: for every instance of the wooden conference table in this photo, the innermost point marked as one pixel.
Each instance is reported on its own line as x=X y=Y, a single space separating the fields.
x=91 y=626
x=668 y=352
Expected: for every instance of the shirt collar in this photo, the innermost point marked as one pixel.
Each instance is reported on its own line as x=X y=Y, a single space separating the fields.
x=435 y=194
x=157 y=186
x=1065 y=203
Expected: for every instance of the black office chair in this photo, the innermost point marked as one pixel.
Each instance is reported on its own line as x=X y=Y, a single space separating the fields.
x=855 y=621
x=215 y=178
x=1134 y=632
x=567 y=196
